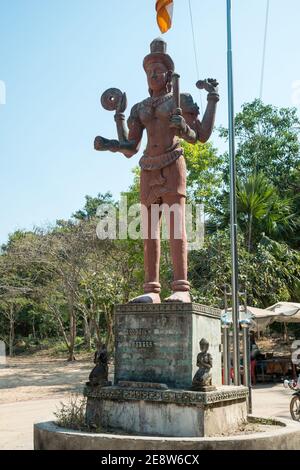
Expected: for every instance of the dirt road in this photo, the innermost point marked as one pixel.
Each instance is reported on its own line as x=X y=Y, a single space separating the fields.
x=39 y=377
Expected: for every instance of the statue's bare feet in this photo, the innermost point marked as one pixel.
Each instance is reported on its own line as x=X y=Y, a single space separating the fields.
x=148 y=298
x=179 y=296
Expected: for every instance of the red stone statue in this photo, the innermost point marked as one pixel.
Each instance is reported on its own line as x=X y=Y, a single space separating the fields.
x=167 y=117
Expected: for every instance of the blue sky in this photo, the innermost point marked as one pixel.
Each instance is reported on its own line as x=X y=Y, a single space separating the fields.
x=58 y=56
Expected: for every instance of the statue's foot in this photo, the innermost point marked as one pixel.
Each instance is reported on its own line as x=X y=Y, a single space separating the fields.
x=148 y=298
x=179 y=296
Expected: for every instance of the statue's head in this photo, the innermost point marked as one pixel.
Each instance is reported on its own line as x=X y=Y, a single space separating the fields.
x=204 y=345
x=158 y=66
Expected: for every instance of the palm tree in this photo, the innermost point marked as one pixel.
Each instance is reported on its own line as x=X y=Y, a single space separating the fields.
x=260 y=211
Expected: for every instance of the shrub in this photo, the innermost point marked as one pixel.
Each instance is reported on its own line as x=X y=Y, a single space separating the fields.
x=71 y=415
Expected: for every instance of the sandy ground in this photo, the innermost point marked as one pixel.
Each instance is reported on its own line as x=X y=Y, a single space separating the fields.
x=38 y=377
x=32 y=388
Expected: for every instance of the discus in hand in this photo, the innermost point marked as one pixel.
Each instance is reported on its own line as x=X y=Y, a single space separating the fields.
x=114 y=100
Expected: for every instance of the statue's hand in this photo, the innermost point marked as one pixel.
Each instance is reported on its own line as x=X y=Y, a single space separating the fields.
x=101 y=143
x=178 y=122
x=210 y=85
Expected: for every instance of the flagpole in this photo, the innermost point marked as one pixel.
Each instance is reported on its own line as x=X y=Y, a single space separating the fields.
x=233 y=209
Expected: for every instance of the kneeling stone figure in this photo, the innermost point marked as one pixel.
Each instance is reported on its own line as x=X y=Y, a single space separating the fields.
x=202 y=380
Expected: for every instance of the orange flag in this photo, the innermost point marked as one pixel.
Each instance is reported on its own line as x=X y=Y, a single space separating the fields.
x=164 y=10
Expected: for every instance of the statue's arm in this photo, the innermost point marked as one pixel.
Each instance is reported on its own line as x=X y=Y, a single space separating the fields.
x=189 y=126
x=205 y=128
x=210 y=360
x=209 y=363
x=189 y=131
x=129 y=142
x=135 y=134
x=185 y=121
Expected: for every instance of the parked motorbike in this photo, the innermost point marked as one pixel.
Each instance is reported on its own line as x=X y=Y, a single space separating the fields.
x=295 y=401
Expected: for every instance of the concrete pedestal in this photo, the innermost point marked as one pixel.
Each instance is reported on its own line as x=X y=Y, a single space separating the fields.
x=160 y=342
x=171 y=413
x=156 y=348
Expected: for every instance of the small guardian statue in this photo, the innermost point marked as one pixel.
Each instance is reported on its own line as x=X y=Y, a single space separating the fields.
x=202 y=380
x=99 y=374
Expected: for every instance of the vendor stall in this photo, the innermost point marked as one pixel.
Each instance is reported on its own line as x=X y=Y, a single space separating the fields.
x=270 y=367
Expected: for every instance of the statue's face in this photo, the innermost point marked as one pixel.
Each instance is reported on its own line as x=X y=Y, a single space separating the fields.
x=157 y=76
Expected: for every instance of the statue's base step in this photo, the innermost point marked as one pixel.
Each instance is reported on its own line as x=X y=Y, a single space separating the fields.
x=172 y=412
x=144 y=385
x=204 y=388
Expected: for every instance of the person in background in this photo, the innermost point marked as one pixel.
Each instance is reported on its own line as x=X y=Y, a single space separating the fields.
x=254 y=353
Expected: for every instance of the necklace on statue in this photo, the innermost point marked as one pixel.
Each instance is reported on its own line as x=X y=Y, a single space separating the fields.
x=154 y=102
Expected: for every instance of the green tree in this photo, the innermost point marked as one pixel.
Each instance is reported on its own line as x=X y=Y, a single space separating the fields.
x=15 y=290
x=267 y=142
x=268 y=275
x=204 y=174
x=59 y=255
x=294 y=194
x=89 y=211
x=261 y=210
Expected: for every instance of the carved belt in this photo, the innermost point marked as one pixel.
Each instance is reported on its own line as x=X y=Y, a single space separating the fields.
x=160 y=161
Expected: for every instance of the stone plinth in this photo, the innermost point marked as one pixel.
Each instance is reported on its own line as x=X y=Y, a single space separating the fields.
x=160 y=342
x=173 y=413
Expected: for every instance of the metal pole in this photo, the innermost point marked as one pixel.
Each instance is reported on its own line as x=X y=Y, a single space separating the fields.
x=246 y=362
x=226 y=357
x=249 y=370
x=233 y=211
x=229 y=356
x=225 y=298
x=245 y=356
x=226 y=344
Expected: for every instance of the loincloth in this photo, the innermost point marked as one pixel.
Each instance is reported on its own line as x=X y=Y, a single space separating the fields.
x=167 y=176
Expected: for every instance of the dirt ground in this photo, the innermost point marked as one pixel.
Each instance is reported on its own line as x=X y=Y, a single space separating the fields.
x=38 y=377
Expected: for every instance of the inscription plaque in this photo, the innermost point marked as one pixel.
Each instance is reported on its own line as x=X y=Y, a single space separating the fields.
x=143 y=344
x=138 y=331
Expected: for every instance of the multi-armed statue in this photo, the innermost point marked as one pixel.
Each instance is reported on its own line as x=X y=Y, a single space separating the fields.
x=167 y=116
